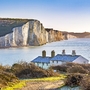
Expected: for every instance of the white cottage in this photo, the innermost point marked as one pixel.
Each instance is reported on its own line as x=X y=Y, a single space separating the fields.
x=45 y=62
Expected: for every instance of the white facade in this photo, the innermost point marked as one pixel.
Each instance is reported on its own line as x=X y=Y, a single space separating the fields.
x=81 y=60
x=55 y=63
x=43 y=65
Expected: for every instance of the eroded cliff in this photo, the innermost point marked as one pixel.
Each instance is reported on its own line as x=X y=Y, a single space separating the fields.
x=31 y=33
x=76 y=35
x=54 y=35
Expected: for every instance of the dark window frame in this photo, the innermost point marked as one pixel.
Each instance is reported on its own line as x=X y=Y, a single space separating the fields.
x=57 y=61
x=43 y=64
x=52 y=61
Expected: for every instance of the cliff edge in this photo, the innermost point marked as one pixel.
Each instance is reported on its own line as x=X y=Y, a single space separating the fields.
x=27 y=33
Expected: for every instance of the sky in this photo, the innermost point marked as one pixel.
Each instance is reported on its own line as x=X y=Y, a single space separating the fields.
x=63 y=15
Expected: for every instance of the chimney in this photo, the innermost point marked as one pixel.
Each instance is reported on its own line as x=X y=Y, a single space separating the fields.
x=73 y=53
x=43 y=53
x=52 y=53
x=63 y=52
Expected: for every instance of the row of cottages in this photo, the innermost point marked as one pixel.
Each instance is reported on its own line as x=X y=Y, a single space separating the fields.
x=46 y=61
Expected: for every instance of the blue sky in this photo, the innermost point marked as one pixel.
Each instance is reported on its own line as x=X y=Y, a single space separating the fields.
x=64 y=15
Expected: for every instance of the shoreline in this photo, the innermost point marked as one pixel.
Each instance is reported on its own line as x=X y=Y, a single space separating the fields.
x=16 y=47
x=7 y=47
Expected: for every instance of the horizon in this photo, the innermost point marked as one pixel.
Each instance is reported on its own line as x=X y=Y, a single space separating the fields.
x=63 y=15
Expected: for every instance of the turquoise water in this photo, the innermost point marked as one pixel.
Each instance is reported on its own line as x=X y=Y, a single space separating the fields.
x=11 y=55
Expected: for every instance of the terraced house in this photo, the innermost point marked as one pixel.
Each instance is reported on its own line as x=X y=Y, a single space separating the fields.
x=53 y=60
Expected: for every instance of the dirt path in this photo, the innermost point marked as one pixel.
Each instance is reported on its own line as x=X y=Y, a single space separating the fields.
x=43 y=85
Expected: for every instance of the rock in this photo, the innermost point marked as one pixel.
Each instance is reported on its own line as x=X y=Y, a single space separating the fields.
x=31 y=33
x=87 y=36
x=54 y=35
x=69 y=36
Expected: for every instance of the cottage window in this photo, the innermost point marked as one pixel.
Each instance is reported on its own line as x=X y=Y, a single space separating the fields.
x=57 y=61
x=42 y=63
x=37 y=64
x=52 y=61
x=84 y=62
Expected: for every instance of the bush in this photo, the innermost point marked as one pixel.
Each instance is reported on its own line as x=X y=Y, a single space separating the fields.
x=29 y=70
x=73 y=68
x=2 y=68
x=6 y=78
x=60 y=68
x=77 y=69
x=73 y=80
x=86 y=66
x=85 y=83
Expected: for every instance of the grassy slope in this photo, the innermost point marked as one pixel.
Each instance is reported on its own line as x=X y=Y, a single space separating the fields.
x=6 y=24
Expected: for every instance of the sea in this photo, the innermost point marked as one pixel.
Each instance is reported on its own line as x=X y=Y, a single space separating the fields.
x=9 y=56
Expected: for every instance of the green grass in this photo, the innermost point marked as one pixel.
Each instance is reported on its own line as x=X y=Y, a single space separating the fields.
x=22 y=83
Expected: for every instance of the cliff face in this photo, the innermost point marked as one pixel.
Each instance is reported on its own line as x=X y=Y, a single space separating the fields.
x=87 y=36
x=54 y=35
x=31 y=33
x=69 y=36
x=76 y=35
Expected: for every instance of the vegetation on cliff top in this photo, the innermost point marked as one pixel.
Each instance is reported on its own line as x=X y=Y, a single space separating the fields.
x=7 y=24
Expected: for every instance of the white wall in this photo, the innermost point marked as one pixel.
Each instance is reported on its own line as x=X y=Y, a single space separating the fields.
x=81 y=60
x=55 y=63
x=45 y=66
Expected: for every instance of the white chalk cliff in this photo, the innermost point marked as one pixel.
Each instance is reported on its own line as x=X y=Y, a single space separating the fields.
x=32 y=33
x=69 y=36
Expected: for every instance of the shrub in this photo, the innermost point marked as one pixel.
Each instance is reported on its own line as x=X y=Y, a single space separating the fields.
x=85 y=83
x=2 y=67
x=6 y=78
x=72 y=68
x=29 y=70
x=77 y=69
x=60 y=68
x=86 y=66
x=73 y=80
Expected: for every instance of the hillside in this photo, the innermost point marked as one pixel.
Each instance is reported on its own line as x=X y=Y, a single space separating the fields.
x=78 y=35
x=7 y=24
x=81 y=35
